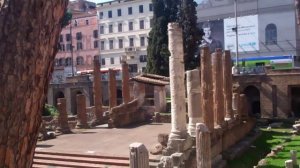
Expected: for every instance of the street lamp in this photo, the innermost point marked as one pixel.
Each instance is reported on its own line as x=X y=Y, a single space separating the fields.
x=236 y=39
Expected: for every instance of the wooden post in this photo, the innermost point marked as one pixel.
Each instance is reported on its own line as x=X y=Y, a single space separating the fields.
x=203 y=146
x=139 y=157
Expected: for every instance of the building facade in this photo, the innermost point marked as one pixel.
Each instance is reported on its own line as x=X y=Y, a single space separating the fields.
x=123 y=28
x=265 y=27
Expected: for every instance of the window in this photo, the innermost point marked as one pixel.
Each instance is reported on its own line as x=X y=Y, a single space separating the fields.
x=109 y=14
x=87 y=22
x=68 y=61
x=110 y=28
x=130 y=26
x=95 y=33
x=68 y=46
x=142 y=24
x=102 y=29
x=271 y=34
x=131 y=42
x=151 y=7
x=61 y=62
x=78 y=36
x=102 y=45
x=132 y=67
x=141 y=9
x=61 y=38
x=129 y=10
x=119 y=12
x=143 y=58
x=68 y=37
x=79 y=46
x=120 y=43
x=103 y=61
x=112 y=60
x=61 y=47
x=142 y=41
x=100 y=15
x=111 y=44
x=79 y=60
x=96 y=44
x=120 y=27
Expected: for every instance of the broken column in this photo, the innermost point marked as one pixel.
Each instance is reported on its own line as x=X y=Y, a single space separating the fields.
x=206 y=90
x=193 y=97
x=125 y=83
x=63 y=126
x=227 y=88
x=160 y=101
x=177 y=87
x=112 y=89
x=139 y=157
x=236 y=105
x=203 y=146
x=218 y=87
x=97 y=88
x=81 y=112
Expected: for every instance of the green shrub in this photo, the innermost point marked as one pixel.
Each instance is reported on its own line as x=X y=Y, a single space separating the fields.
x=50 y=110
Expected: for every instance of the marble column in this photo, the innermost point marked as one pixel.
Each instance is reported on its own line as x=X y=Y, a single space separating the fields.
x=112 y=89
x=177 y=87
x=63 y=126
x=138 y=156
x=218 y=87
x=125 y=83
x=97 y=88
x=193 y=97
x=206 y=89
x=227 y=76
x=81 y=112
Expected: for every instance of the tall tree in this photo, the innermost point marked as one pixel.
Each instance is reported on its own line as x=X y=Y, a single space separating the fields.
x=29 y=35
x=165 y=11
x=191 y=33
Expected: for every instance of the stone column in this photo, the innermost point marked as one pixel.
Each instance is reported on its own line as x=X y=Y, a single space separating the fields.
x=112 y=89
x=236 y=105
x=206 y=89
x=81 y=112
x=125 y=83
x=139 y=92
x=203 y=146
x=294 y=157
x=160 y=98
x=139 y=157
x=63 y=126
x=177 y=87
x=193 y=97
x=218 y=87
x=227 y=76
x=97 y=92
x=288 y=164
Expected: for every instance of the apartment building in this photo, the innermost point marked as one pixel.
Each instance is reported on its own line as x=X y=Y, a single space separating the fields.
x=123 y=27
x=78 y=42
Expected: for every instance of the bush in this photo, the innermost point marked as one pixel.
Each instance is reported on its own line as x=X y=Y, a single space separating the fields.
x=50 y=110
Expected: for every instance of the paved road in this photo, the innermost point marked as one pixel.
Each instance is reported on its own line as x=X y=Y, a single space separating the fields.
x=104 y=141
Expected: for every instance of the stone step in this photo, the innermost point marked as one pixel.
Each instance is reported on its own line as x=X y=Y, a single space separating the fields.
x=67 y=160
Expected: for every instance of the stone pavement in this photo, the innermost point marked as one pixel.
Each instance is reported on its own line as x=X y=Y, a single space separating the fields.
x=105 y=141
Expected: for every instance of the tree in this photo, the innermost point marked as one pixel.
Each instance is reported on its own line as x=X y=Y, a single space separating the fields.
x=191 y=33
x=165 y=11
x=29 y=33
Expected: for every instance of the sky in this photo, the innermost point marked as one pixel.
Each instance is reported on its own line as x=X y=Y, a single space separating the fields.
x=99 y=1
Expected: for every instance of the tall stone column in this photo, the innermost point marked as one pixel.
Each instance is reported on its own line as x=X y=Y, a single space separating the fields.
x=227 y=76
x=63 y=126
x=81 y=112
x=218 y=87
x=97 y=88
x=160 y=102
x=125 y=83
x=112 y=89
x=177 y=87
x=206 y=90
x=193 y=97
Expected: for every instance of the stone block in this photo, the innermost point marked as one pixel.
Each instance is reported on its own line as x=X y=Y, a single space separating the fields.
x=163 y=139
x=139 y=157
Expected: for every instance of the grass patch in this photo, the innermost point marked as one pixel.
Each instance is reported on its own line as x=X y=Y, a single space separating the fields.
x=263 y=145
